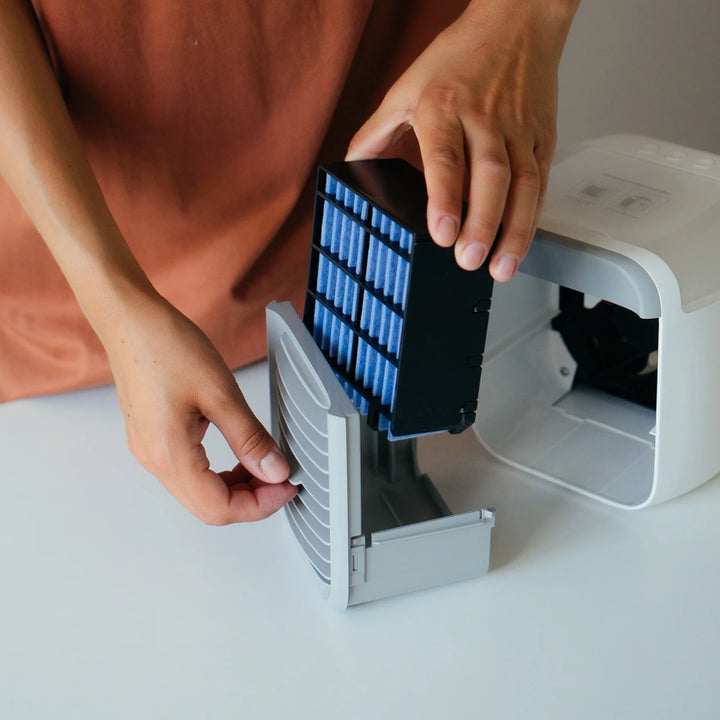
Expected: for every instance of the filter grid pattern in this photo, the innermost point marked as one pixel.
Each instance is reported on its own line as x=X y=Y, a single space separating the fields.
x=362 y=276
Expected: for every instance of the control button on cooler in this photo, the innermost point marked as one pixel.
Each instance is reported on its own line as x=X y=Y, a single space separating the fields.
x=675 y=156
x=648 y=148
x=704 y=163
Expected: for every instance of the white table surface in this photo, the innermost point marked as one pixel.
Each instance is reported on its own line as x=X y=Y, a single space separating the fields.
x=116 y=603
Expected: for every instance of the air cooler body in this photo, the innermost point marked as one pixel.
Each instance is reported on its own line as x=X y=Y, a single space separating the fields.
x=390 y=347
x=631 y=227
x=370 y=524
x=628 y=240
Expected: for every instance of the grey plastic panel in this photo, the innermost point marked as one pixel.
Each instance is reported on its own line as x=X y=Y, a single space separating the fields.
x=298 y=394
x=302 y=453
x=300 y=426
x=316 y=499
x=369 y=522
x=427 y=554
x=592 y=270
x=317 y=548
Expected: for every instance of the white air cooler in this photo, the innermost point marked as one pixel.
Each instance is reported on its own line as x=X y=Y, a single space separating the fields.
x=636 y=222
x=627 y=219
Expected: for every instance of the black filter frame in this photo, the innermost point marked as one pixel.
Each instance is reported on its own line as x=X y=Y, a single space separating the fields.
x=446 y=308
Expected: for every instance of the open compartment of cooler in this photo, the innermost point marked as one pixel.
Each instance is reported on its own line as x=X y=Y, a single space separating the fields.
x=536 y=413
x=625 y=228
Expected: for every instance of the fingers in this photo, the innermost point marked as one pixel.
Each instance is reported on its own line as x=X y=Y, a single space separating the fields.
x=257 y=487
x=168 y=405
x=176 y=456
x=521 y=210
x=507 y=176
x=253 y=497
x=251 y=443
x=378 y=133
x=172 y=450
x=216 y=500
x=440 y=138
x=490 y=179
x=505 y=192
x=250 y=504
x=230 y=496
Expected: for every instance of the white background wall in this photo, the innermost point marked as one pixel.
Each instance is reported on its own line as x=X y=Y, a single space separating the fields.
x=643 y=66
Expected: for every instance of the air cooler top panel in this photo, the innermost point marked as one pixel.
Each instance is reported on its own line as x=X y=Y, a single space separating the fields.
x=400 y=323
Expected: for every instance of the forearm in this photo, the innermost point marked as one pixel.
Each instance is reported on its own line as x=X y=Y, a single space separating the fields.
x=521 y=42
x=44 y=164
x=505 y=27
x=557 y=14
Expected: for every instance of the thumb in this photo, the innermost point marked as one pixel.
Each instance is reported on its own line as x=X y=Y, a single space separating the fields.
x=251 y=443
x=382 y=129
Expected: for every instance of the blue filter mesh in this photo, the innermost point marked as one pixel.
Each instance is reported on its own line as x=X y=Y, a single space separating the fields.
x=369 y=313
x=388 y=271
x=347 y=225
x=338 y=288
x=346 y=197
x=360 y=402
x=396 y=233
x=343 y=236
x=375 y=373
x=381 y=323
x=334 y=337
x=383 y=422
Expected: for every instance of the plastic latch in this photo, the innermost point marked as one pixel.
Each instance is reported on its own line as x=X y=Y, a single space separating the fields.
x=469 y=406
x=357 y=565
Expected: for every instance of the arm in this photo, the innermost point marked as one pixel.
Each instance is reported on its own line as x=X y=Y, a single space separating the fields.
x=482 y=101
x=171 y=381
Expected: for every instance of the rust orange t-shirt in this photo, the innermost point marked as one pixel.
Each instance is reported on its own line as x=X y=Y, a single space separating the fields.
x=203 y=122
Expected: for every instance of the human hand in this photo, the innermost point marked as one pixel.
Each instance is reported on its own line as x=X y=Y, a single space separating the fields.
x=172 y=384
x=482 y=101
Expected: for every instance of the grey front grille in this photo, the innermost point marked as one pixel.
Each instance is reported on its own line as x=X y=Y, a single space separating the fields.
x=368 y=522
x=304 y=437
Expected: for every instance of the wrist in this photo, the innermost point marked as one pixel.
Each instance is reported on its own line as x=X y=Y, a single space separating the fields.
x=507 y=25
x=110 y=286
x=120 y=302
x=560 y=10
x=553 y=15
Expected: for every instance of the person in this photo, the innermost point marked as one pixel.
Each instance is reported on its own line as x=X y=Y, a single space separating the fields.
x=158 y=163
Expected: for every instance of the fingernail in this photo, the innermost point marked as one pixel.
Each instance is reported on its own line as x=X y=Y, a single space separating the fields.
x=447 y=231
x=505 y=267
x=473 y=256
x=275 y=467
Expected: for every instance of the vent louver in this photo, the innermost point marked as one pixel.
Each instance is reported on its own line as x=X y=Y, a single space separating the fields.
x=307 y=442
